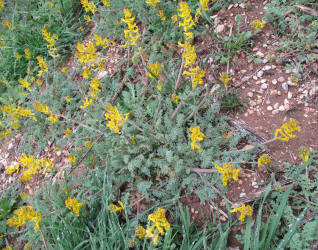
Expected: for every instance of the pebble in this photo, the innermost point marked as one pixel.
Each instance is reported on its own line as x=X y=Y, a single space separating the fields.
x=58 y=153
x=268 y=102
x=290 y=83
x=257 y=82
x=285 y=86
x=250 y=94
x=259 y=101
x=289 y=95
x=252 y=103
x=281 y=108
x=242 y=195
x=267 y=67
x=220 y=28
x=274 y=82
x=243 y=71
x=260 y=73
x=263 y=80
x=264 y=86
x=305 y=92
x=255 y=77
x=279 y=93
x=269 y=108
x=265 y=60
x=230 y=6
x=259 y=54
x=276 y=105
x=274 y=66
x=10 y=146
x=281 y=79
x=254 y=184
x=274 y=112
x=273 y=92
x=242 y=5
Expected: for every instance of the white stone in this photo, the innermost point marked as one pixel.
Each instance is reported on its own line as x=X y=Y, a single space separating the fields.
x=276 y=105
x=265 y=60
x=274 y=66
x=281 y=79
x=254 y=184
x=260 y=73
x=267 y=67
x=264 y=86
x=279 y=93
x=286 y=101
x=230 y=6
x=243 y=71
x=281 y=108
x=289 y=95
x=269 y=108
x=290 y=83
x=255 y=77
x=242 y=5
x=274 y=81
x=220 y=28
x=285 y=86
x=274 y=112
x=250 y=94
x=242 y=195
x=259 y=54
x=263 y=80
x=252 y=103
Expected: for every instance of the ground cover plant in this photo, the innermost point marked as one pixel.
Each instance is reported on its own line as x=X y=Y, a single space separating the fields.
x=137 y=126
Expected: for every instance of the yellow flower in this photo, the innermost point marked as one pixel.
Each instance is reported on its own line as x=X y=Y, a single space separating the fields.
x=87 y=18
x=86 y=54
x=185 y=14
x=50 y=3
x=131 y=34
x=175 y=99
x=153 y=2
x=1 y=5
x=17 y=112
x=196 y=135
x=53 y=119
x=74 y=205
x=161 y=15
x=174 y=18
x=68 y=132
x=17 y=56
x=5 y=133
x=204 y=4
x=160 y=225
x=100 y=41
x=88 y=144
x=189 y=54
x=27 y=53
x=115 y=119
x=140 y=232
x=39 y=82
x=51 y=39
x=154 y=69
x=24 y=196
x=86 y=103
x=7 y=248
x=24 y=83
x=227 y=172
x=198 y=13
x=256 y=24
x=7 y=23
x=225 y=79
x=159 y=86
x=67 y=99
x=263 y=160
x=88 y=6
x=38 y=106
x=27 y=246
x=86 y=73
x=244 y=210
x=24 y=214
x=294 y=79
x=72 y=159
x=286 y=130
x=106 y=3
x=197 y=74
x=304 y=153
x=114 y=208
x=64 y=70
x=42 y=64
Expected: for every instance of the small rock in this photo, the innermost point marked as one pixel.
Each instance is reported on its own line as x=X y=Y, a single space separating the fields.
x=274 y=82
x=279 y=93
x=264 y=86
x=236 y=5
x=269 y=108
x=268 y=102
x=281 y=79
x=289 y=95
x=274 y=66
x=273 y=92
x=281 y=108
x=243 y=71
x=259 y=101
x=255 y=77
x=58 y=153
x=274 y=112
x=254 y=184
x=287 y=71
x=285 y=86
x=242 y=195
x=257 y=82
x=286 y=101
x=10 y=146
x=252 y=103
x=265 y=60
x=276 y=105
x=263 y=80
x=305 y=92
x=267 y=67
x=230 y=6
x=242 y=5
x=220 y=28
x=250 y=94
x=290 y=83
x=260 y=73
x=259 y=54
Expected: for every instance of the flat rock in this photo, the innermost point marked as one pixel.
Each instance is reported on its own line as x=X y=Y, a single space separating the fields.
x=220 y=28
x=289 y=95
x=281 y=108
x=267 y=67
x=281 y=79
x=274 y=81
x=285 y=86
x=269 y=108
x=250 y=94
x=264 y=86
x=260 y=73
x=260 y=54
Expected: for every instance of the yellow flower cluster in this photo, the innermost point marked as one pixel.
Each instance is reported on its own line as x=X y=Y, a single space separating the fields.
x=244 y=210
x=38 y=106
x=140 y=232
x=286 y=130
x=256 y=24
x=24 y=83
x=68 y=132
x=189 y=53
x=106 y=3
x=154 y=69
x=74 y=205
x=17 y=112
x=93 y=93
x=225 y=78
x=88 y=144
x=88 y=6
x=42 y=64
x=153 y=2
x=131 y=34
x=34 y=166
x=27 y=53
x=160 y=223
x=185 y=14
x=86 y=54
x=51 y=42
x=115 y=119
x=161 y=14
x=113 y=208
x=72 y=159
x=197 y=74
x=5 y=133
x=304 y=153
x=264 y=159
x=227 y=172
x=7 y=23
x=100 y=41
x=204 y=5
x=24 y=214
x=17 y=56
x=7 y=248
x=196 y=135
